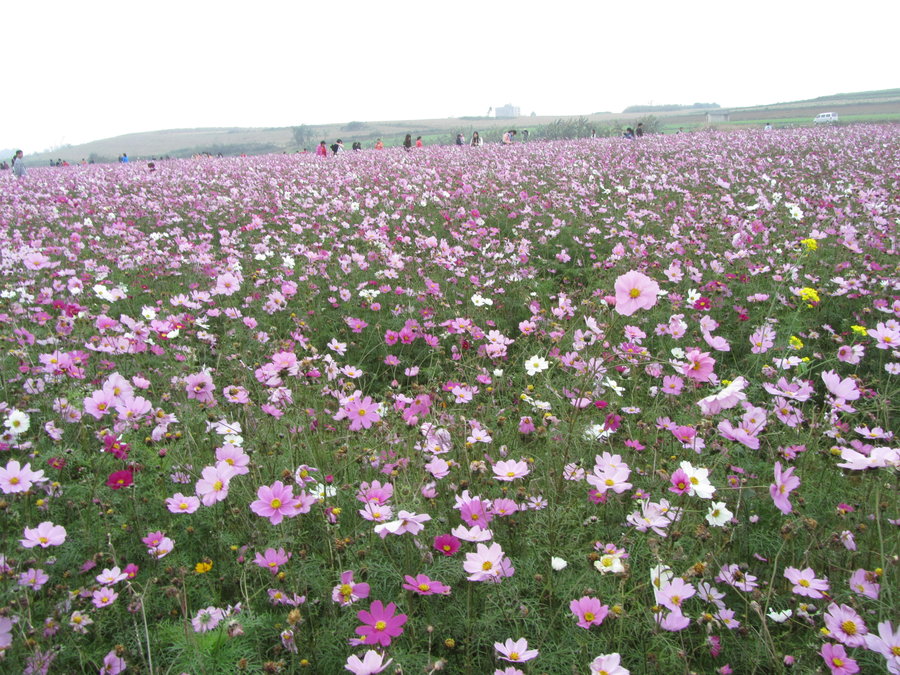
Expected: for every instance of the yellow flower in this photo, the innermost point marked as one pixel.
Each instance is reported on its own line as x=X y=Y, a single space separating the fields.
x=809 y=295
x=811 y=244
x=796 y=342
x=202 y=567
x=859 y=330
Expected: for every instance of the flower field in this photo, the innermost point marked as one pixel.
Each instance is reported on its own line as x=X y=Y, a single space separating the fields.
x=595 y=406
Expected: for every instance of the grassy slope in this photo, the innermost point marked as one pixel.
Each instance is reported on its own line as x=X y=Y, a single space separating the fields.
x=873 y=106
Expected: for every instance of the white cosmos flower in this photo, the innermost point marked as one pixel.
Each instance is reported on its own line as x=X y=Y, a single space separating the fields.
x=17 y=422
x=558 y=564
x=718 y=514
x=536 y=364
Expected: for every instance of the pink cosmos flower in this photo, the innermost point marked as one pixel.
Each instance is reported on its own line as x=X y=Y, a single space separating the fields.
x=700 y=365
x=113 y=664
x=608 y=664
x=634 y=291
x=213 y=484
x=836 y=659
x=865 y=583
x=674 y=593
x=886 y=643
x=589 y=611
x=178 y=503
x=805 y=582
x=347 y=592
x=840 y=388
x=44 y=535
x=15 y=478
x=272 y=559
x=421 y=584
x=681 y=482
x=110 y=577
x=509 y=470
x=275 y=502
x=488 y=563
x=476 y=512
x=729 y=397
x=33 y=578
x=515 y=651
x=199 y=386
x=406 y=522
x=781 y=489
x=207 y=619
x=372 y=663
x=104 y=597
x=845 y=625
x=362 y=413
x=380 y=624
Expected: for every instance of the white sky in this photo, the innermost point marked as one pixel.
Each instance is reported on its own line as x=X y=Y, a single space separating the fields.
x=73 y=72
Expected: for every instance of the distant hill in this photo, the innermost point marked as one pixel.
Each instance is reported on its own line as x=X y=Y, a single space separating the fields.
x=882 y=105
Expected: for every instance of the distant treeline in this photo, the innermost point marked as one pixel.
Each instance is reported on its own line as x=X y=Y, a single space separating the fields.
x=668 y=108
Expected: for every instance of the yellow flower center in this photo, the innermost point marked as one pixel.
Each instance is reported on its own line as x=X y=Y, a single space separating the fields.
x=634 y=293
x=424 y=588
x=849 y=627
x=380 y=625
x=276 y=503
x=804 y=583
x=588 y=616
x=217 y=485
x=14 y=481
x=486 y=565
x=346 y=590
x=514 y=656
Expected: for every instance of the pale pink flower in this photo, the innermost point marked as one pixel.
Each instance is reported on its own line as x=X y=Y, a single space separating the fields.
x=515 y=651
x=635 y=291
x=213 y=484
x=275 y=502
x=805 y=582
x=44 y=535
x=781 y=489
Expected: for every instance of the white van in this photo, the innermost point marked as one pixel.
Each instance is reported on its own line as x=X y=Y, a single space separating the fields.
x=825 y=118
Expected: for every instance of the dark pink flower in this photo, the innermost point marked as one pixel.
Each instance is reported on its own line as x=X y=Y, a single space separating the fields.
x=380 y=624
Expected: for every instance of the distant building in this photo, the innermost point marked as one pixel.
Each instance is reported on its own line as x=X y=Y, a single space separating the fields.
x=507 y=110
x=715 y=116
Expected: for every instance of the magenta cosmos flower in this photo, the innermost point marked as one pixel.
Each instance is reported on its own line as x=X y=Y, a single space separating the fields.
x=44 y=535
x=589 y=611
x=380 y=624
x=275 y=502
x=635 y=291
x=423 y=585
x=515 y=651
x=446 y=544
x=120 y=479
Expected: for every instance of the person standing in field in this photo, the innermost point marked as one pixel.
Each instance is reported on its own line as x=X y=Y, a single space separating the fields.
x=379 y=145
x=321 y=150
x=418 y=141
x=640 y=130
x=18 y=164
x=460 y=139
x=407 y=142
x=476 y=140
x=508 y=137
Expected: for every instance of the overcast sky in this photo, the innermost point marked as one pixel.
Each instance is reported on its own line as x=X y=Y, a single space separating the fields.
x=73 y=72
